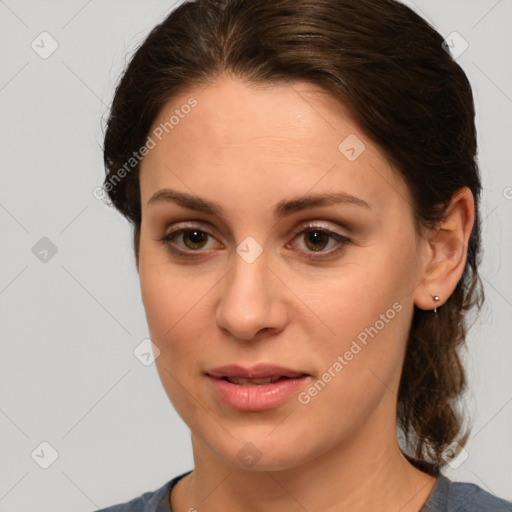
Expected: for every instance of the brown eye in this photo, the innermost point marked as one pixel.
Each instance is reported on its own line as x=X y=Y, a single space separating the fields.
x=194 y=239
x=317 y=243
x=316 y=240
x=187 y=240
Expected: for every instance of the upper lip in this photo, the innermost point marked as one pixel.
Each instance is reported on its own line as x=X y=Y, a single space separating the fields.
x=259 y=371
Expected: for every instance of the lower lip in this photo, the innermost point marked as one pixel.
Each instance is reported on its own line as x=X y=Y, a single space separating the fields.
x=258 y=397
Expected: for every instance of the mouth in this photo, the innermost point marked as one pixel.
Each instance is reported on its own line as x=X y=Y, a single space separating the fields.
x=257 y=388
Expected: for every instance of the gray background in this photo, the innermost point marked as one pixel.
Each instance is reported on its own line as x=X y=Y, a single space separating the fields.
x=71 y=320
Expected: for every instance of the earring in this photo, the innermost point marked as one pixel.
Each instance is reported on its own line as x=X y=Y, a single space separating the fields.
x=436 y=300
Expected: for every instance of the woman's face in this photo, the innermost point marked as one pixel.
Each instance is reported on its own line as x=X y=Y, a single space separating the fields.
x=299 y=252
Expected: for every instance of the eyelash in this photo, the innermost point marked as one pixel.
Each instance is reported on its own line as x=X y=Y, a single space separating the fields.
x=342 y=242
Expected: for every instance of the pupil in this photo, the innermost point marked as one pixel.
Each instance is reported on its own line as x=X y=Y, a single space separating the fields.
x=317 y=237
x=196 y=238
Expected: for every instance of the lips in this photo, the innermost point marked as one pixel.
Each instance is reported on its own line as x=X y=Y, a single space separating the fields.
x=259 y=388
x=259 y=374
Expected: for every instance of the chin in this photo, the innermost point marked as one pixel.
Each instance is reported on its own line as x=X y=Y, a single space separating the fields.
x=264 y=453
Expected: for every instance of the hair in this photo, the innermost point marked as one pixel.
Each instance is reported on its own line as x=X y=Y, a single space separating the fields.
x=388 y=66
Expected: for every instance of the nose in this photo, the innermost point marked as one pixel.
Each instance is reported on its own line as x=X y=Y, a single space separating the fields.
x=252 y=301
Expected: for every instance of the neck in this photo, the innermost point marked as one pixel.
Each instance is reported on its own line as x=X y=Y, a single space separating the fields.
x=365 y=472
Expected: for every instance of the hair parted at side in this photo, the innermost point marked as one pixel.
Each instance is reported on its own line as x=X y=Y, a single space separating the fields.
x=388 y=66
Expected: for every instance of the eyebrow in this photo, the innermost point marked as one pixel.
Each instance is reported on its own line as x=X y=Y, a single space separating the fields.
x=282 y=209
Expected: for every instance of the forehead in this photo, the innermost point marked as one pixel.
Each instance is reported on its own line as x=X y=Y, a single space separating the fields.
x=283 y=137
x=230 y=111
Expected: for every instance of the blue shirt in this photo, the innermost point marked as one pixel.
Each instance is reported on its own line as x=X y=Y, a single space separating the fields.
x=446 y=496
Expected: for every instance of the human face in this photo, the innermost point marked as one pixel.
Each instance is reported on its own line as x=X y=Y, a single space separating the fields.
x=330 y=294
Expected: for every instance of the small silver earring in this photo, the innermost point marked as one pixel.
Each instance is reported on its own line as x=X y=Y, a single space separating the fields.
x=436 y=300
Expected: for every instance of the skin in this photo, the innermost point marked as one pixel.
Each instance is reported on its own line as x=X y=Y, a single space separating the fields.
x=248 y=148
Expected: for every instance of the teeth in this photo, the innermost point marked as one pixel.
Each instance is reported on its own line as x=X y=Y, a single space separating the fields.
x=251 y=382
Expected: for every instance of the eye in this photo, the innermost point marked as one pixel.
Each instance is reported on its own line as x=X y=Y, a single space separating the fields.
x=186 y=240
x=318 y=239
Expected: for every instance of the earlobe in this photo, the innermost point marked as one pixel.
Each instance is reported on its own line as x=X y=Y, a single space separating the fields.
x=446 y=247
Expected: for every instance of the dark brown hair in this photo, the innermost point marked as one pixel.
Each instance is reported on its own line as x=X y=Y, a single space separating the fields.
x=388 y=66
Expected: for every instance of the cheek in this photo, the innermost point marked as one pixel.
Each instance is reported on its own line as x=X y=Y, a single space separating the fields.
x=169 y=301
x=178 y=309
x=175 y=313
x=366 y=311
x=360 y=293
x=360 y=365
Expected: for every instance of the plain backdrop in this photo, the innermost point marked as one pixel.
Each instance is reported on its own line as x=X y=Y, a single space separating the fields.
x=72 y=315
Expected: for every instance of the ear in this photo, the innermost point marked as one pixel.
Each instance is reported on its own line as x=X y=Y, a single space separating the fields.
x=445 y=252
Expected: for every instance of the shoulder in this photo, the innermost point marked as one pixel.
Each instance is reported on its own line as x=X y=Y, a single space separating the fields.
x=448 y=496
x=151 y=501
x=466 y=497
